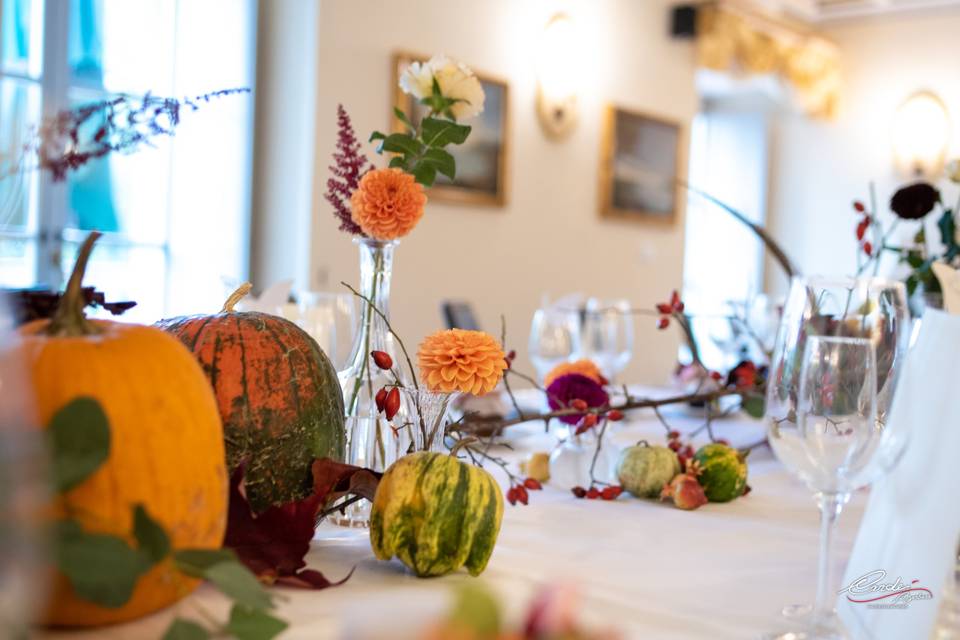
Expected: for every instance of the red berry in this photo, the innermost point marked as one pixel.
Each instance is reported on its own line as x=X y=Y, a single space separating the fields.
x=614 y=415
x=746 y=490
x=382 y=359
x=392 y=404
x=580 y=492
x=512 y=355
x=522 y=495
x=686 y=452
x=589 y=420
x=675 y=445
x=663 y=323
x=679 y=308
x=673 y=435
x=533 y=484
x=858 y=206
x=664 y=308
x=610 y=493
x=579 y=404
x=675 y=299
x=868 y=249
x=380 y=398
x=716 y=376
x=593 y=493
x=862 y=228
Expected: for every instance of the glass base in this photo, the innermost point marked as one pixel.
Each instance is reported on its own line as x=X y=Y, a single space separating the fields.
x=799 y=623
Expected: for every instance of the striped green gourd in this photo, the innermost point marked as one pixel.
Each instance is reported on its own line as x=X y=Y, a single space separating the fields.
x=436 y=514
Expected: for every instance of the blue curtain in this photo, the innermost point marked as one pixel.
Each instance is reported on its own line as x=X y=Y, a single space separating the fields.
x=91 y=189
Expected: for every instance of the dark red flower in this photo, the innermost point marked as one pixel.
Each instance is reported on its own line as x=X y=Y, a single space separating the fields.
x=564 y=390
x=914 y=201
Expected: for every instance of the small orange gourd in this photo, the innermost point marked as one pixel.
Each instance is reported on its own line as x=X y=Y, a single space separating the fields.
x=166 y=442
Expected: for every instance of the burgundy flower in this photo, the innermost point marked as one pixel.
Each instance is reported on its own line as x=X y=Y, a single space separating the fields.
x=565 y=389
x=914 y=201
x=349 y=166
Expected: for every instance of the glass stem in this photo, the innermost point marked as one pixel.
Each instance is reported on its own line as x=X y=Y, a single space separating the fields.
x=831 y=504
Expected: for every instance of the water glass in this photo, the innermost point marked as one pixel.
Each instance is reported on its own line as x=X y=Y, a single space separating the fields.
x=607 y=335
x=554 y=338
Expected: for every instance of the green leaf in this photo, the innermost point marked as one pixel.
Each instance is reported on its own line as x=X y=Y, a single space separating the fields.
x=250 y=624
x=152 y=540
x=102 y=569
x=401 y=143
x=376 y=135
x=912 y=282
x=237 y=583
x=439 y=133
x=399 y=162
x=402 y=117
x=196 y=562
x=181 y=629
x=948 y=229
x=440 y=160
x=921 y=236
x=79 y=436
x=425 y=174
x=753 y=405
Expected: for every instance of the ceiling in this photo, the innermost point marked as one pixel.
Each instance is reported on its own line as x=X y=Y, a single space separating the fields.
x=826 y=10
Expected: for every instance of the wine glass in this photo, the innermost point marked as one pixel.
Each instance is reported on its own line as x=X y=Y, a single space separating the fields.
x=328 y=318
x=607 y=335
x=554 y=338
x=821 y=309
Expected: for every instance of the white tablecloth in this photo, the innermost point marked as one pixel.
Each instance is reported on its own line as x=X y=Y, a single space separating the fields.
x=646 y=569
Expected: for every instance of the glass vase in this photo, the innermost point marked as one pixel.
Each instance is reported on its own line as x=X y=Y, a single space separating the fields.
x=372 y=440
x=426 y=420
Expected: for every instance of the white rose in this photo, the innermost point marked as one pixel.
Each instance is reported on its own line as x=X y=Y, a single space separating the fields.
x=417 y=80
x=455 y=80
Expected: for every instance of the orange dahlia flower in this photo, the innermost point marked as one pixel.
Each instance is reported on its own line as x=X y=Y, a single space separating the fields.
x=583 y=367
x=387 y=204
x=459 y=360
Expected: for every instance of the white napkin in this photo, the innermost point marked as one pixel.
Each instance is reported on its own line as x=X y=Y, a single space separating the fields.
x=908 y=537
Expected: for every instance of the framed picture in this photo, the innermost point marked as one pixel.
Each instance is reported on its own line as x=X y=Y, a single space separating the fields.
x=639 y=166
x=482 y=159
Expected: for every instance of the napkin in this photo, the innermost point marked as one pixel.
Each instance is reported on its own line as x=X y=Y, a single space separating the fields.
x=906 y=547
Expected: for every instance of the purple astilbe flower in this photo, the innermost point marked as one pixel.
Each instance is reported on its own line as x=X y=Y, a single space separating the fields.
x=349 y=166
x=568 y=388
x=73 y=137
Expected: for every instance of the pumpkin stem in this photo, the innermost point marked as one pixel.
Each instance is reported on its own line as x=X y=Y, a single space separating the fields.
x=643 y=443
x=235 y=297
x=460 y=444
x=69 y=318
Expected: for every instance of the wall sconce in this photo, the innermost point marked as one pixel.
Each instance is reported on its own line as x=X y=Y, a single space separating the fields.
x=557 y=63
x=921 y=134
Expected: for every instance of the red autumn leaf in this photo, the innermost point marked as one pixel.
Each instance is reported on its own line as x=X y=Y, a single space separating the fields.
x=273 y=544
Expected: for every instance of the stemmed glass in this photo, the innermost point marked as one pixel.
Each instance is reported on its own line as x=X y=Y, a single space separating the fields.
x=607 y=335
x=329 y=318
x=554 y=338
x=835 y=366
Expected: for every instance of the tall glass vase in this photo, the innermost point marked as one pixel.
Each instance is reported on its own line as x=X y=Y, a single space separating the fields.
x=372 y=440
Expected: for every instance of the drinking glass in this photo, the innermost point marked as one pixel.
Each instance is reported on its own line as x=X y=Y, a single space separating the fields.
x=607 y=335
x=823 y=319
x=554 y=338
x=328 y=318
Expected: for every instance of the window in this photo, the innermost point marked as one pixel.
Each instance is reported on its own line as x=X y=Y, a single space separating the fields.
x=175 y=216
x=723 y=268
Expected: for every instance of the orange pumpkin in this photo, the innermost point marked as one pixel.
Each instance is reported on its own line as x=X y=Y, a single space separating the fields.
x=166 y=442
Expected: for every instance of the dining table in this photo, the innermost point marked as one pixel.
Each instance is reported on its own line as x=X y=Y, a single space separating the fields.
x=639 y=568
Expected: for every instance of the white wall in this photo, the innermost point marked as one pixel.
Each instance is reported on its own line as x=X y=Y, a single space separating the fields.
x=549 y=237
x=820 y=168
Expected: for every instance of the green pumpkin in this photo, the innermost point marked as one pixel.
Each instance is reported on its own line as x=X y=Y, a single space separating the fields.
x=723 y=472
x=643 y=470
x=436 y=514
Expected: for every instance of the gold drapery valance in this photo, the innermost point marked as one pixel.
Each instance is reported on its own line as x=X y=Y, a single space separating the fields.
x=732 y=41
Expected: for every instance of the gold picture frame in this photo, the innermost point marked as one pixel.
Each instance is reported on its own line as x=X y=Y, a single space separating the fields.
x=639 y=167
x=482 y=159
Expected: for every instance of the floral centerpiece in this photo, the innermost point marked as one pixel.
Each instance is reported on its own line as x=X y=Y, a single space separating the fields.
x=911 y=204
x=381 y=205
